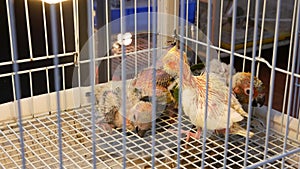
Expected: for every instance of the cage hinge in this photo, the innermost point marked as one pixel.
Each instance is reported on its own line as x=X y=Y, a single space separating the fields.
x=76 y=59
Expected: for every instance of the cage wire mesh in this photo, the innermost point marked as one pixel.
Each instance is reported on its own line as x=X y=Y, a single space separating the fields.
x=56 y=56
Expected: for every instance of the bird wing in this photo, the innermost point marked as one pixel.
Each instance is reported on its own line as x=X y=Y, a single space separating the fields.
x=143 y=82
x=221 y=69
x=217 y=103
x=109 y=99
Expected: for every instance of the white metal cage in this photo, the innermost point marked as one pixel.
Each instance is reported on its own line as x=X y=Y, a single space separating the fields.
x=53 y=54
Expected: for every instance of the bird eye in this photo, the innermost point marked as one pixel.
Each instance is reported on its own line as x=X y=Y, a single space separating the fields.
x=260 y=95
x=134 y=117
x=247 y=91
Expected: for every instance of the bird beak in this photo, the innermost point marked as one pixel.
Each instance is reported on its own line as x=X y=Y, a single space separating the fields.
x=258 y=101
x=140 y=132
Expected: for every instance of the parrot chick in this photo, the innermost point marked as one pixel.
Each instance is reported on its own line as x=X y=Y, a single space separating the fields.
x=240 y=82
x=142 y=111
x=109 y=100
x=193 y=97
x=138 y=112
x=241 y=88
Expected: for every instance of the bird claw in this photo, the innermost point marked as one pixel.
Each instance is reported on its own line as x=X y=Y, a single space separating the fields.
x=188 y=134
x=106 y=127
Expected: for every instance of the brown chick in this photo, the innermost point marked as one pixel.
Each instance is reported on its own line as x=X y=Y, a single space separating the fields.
x=241 y=88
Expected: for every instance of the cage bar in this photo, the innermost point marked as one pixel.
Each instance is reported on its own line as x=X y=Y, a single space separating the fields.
x=28 y=29
x=233 y=35
x=15 y=78
x=246 y=34
x=91 y=49
x=57 y=81
x=252 y=78
x=62 y=27
x=154 y=60
x=261 y=34
x=272 y=80
x=58 y=127
x=291 y=83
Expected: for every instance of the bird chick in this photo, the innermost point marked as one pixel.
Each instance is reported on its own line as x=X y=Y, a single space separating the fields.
x=138 y=105
x=241 y=88
x=240 y=82
x=142 y=111
x=109 y=101
x=193 y=97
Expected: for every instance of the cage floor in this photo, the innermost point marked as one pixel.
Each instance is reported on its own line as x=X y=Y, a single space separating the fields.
x=41 y=145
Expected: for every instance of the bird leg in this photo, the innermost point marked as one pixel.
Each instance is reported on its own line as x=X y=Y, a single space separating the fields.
x=189 y=134
x=220 y=131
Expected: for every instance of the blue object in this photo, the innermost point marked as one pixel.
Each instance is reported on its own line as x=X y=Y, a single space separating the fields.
x=142 y=18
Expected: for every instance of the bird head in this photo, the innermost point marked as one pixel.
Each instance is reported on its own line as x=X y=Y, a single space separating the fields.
x=241 y=88
x=141 y=116
x=171 y=62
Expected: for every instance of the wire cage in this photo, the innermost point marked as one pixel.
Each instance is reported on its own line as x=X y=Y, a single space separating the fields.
x=56 y=54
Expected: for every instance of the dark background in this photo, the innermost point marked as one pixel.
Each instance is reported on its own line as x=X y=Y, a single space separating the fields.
x=39 y=82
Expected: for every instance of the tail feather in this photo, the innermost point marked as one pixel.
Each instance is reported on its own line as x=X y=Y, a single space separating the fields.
x=235 y=117
x=242 y=112
x=237 y=129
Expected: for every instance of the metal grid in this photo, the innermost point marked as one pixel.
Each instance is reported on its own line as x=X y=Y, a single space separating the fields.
x=71 y=138
x=41 y=151
x=136 y=61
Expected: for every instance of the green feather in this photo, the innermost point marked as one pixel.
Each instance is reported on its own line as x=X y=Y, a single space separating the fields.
x=175 y=93
x=175 y=90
